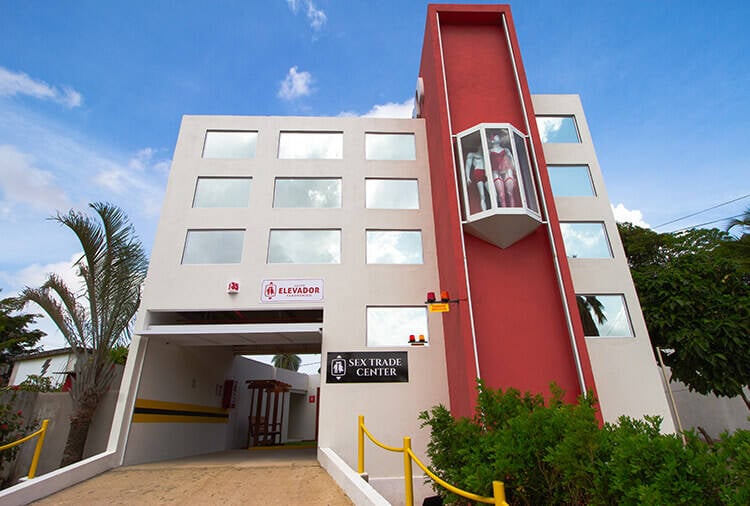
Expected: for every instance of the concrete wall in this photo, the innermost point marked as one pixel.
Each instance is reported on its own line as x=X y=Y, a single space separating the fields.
x=714 y=414
x=626 y=374
x=57 y=407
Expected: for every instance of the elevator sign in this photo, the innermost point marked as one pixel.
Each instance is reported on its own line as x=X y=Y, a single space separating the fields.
x=291 y=290
x=367 y=367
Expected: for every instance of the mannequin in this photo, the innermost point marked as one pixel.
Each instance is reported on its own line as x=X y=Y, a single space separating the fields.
x=476 y=174
x=503 y=169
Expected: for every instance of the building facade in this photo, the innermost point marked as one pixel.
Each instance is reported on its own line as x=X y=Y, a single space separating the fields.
x=325 y=235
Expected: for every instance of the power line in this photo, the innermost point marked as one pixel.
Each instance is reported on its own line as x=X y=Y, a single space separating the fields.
x=706 y=223
x=702 y=211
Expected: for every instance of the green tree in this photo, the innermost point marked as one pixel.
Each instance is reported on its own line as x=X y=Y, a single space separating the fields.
x=696 y=302
x=15 y=336
x=740 y=248
x=112 y=268
x=288 y=361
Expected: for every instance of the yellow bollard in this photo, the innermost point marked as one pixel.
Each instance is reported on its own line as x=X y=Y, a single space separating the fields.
x=38 y=450
x=498 y=491
x=408 y=481
x=361 y=444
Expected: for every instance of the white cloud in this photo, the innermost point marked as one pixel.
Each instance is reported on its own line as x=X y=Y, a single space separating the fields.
x=295 y=84
x=18 y=83
x=36 y=274
x=137 y=177
x=315 y=16
x=23 y=183
x=391 y=110
x=624 y=215
x=548 y=126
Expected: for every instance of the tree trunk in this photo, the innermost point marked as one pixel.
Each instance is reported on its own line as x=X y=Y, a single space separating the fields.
x=744 y=398
x=80 y=421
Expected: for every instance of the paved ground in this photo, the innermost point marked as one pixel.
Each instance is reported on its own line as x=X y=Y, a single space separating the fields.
x=260 y=477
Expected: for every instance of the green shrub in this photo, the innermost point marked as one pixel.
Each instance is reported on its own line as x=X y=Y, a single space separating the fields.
x=12 y=428
x=551 y=452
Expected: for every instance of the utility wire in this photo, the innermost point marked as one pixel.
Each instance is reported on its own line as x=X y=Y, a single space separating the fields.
x=706 y=223
x=703 y=211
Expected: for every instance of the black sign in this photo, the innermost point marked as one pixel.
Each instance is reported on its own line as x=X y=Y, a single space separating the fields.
x=367 y=367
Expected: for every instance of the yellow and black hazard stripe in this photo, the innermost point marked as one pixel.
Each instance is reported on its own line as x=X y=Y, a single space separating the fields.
x=150 y=411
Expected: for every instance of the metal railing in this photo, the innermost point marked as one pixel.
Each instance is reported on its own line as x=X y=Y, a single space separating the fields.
x=37 y=451
x=498 y=489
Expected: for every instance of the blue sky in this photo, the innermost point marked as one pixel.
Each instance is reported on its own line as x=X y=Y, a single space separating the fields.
x=92 y=93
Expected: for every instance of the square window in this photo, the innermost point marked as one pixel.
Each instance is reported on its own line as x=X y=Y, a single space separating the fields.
x=311 y=192
x=394 y=247
x=558 y=129
x=222 y=192
x=311 y=145
x=304 y=247
x=571 y=180
x=604 y=316
x=213 y=247
x=384 y=146
x=391 y=194
x=392 y=326
x=585 y=240
x=220 y=144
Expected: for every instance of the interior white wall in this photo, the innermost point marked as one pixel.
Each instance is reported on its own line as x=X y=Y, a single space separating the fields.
x=180 y=374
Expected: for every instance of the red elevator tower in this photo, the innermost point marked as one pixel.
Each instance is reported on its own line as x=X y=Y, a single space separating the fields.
x=498 y=236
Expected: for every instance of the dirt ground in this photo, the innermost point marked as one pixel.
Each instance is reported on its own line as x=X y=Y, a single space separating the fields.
x=260 y=480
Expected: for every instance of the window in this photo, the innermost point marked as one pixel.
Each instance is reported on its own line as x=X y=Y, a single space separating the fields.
x=571 y=180
x=391 y=194
x=222 y=192
x=220 y=144
x=304 y=247
x=394 y=247
x=392 y=326
x=311 y=145
x=390 y=147
x=558 y=129
x=213 y=247
x=604 y=316
x=307 y=192
x=585 y=240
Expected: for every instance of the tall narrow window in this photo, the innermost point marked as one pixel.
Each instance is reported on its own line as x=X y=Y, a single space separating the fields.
x=391 y=194
x=311 y=145
x=222 y=144
x=558 y=129
x=307 y=192
x=585 y=240
x=394 y=247
x=604 y=316
x=382 y=146
x=571 y=180
x=222 y=192
x=213 y=247
x=304 y=247
x=392 y=326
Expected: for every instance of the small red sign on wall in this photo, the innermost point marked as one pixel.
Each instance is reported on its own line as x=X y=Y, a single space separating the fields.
x=311 y=399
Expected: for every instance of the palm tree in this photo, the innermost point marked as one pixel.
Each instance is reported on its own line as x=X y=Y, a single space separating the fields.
x=588 y=304
x=287 y=361
x=740 y=248
x=112 y=268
